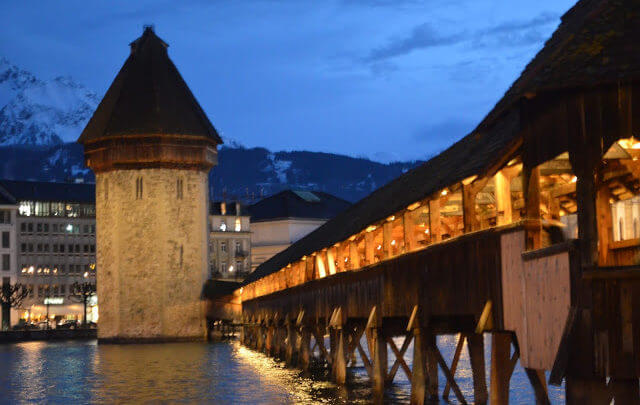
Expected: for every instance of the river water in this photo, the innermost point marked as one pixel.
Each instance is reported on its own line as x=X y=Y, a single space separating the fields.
x=224 y=373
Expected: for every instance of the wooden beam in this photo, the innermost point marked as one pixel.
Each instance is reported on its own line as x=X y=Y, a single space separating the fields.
x=537 y=380
x=369 y=248
x=305 y=351
x=399 y=358
x=419 y=371
x=500 y=368
x=447 y=372
x=604 y=224
x=454 y=364
x=435 y=227
x=475 y=344
x=503 y=198
x=531 y=185
x=354 y=255
x=409 y=227
x=387 y=249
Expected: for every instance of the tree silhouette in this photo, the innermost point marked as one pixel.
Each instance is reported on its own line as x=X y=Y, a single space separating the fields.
x=11 y=296
x=82 y=292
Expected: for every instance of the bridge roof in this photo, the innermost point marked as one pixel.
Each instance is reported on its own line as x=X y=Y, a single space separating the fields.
x=597 y=42
x=148 y=96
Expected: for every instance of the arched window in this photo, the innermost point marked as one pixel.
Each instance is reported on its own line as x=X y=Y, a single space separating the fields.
x=139 y=188
x=179 y=189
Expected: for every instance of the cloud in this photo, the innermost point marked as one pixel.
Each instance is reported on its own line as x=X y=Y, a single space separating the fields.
x=425 y=36
x=421 y=37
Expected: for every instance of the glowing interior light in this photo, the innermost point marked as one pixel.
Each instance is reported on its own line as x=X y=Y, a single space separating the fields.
x=346 y=259
x=379 y=247
x=413 y=206
x=24 y=269
x=230 y=268
x=444 y=192
x=426 y=231
x=393 y=242
x=371 y=228
x=391 y=218
x=69 y=228
x=31 y=270
x=574 y=179
x=223 y=227
x=86 y=274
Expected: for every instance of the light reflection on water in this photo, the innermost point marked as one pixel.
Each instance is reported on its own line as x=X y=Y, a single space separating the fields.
x=83 y=372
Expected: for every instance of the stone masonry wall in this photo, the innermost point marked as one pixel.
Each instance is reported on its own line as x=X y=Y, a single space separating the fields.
x=152 y=254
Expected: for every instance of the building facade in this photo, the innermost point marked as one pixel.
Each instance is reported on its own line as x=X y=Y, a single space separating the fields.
x=8 y=244
x=229 y=241
x=151 y=147
x=55 y=246
x=286 y=217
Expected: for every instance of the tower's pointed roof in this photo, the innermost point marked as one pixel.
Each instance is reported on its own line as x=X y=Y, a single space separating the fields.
x=148 y=96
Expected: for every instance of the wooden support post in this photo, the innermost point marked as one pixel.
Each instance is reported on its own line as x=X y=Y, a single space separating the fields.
x=305 y=349
x=454 y=364
x=291 y=342
x=369 y=248
x=354 y=256
x=386 y=240
x=432 y=367
x=435 y=226
x=409 y=227
x=378 y=348
x=503 y=199
x=471 y=222
x=604 y=223
x=500 y=368
x=339 y=347
x=419 y=367
x=539 y=384
x=331 y=260
x=261 y=340
x=309 y=268
x=531 y=187
x=475 y=344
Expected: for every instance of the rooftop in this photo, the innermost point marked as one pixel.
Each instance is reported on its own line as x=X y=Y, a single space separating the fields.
x=148 y=96
x=48 y=191
x=298 y=204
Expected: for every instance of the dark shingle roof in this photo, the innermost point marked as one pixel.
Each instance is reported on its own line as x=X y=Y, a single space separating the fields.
x=298 y=204
x=46 y=191
x=598 y=41
x=148 y=96
x=6 y=198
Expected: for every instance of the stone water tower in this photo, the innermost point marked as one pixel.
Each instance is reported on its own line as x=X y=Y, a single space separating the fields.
x=151 y=147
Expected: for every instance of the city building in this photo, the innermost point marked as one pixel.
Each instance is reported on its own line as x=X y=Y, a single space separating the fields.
x=284 y=218
x=151 y=147
x=229 y=241
x=55 y=245
x=8 y=251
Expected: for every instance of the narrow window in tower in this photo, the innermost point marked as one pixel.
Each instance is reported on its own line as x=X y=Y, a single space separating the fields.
x=139 y=188
x=179 y=188
x=106 y=189
x=181 y=255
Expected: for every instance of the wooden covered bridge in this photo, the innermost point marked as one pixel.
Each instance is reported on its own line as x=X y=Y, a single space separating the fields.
x=527 y=230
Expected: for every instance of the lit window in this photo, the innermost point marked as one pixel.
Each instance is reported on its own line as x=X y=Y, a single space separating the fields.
x=238 y=225
x=223 y=226
x=230 y=269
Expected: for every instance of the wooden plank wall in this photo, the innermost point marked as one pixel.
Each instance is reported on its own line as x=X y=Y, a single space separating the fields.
x=452 y=278
x=537 y=296
x=616 y=326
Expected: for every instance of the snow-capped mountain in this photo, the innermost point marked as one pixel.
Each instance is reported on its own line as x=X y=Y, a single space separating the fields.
x=41 y=120
x=41 y=112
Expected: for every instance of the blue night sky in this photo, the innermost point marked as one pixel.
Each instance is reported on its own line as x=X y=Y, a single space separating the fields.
x=383 y=79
